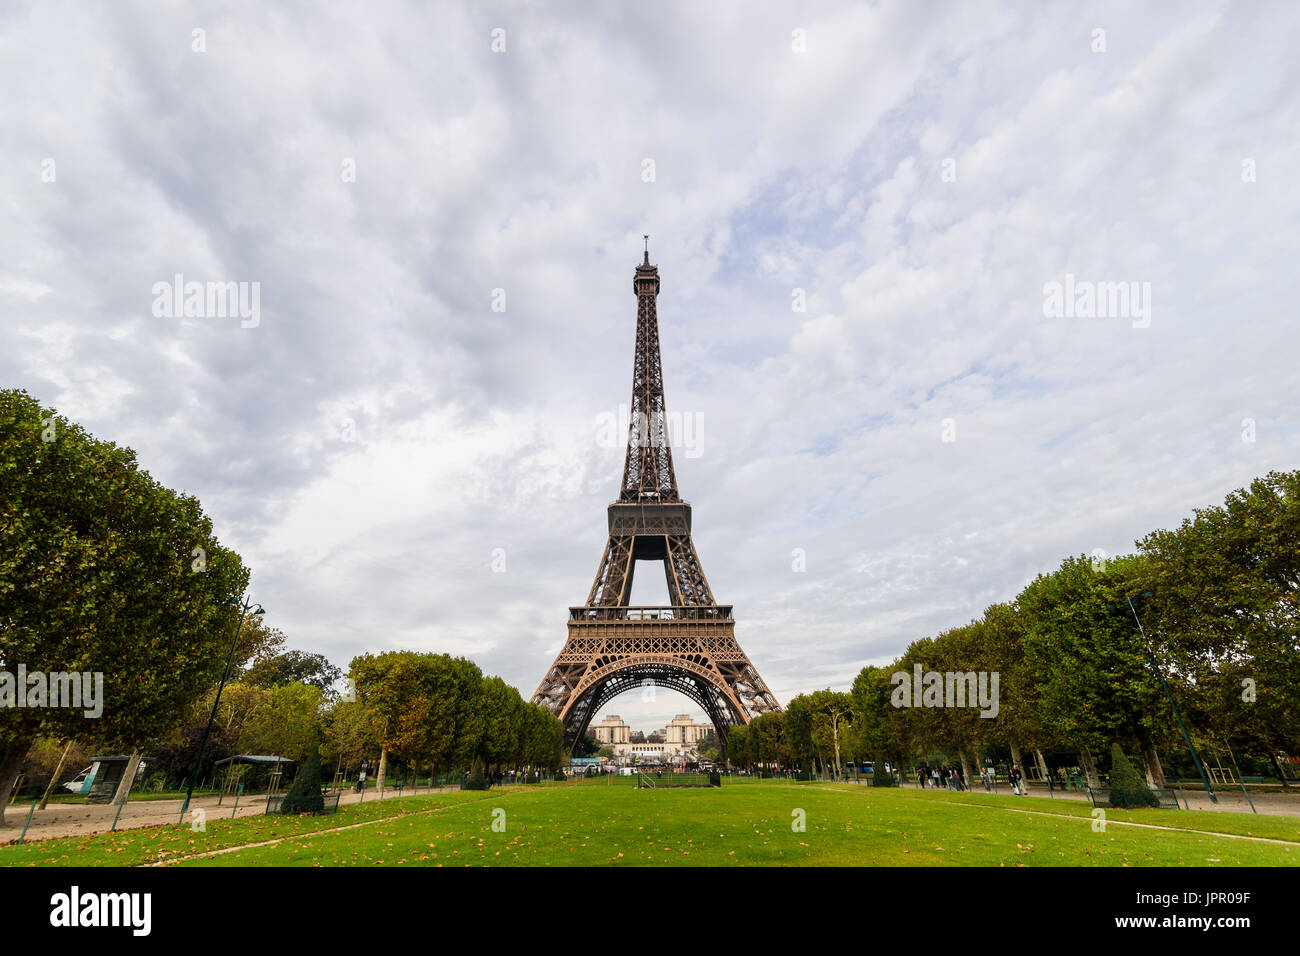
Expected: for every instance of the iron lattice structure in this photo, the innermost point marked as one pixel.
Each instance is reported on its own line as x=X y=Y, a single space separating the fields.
x=689 y=645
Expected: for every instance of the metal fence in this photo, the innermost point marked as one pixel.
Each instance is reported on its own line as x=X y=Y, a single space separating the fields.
x=1157 y=797
x=655 y=781
x=329 y=804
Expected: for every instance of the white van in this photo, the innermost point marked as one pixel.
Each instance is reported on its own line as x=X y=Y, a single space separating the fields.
x=83 y=781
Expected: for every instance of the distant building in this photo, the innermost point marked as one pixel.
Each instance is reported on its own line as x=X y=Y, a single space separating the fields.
x=684 y=731
x=612 y=730
x=679 y=739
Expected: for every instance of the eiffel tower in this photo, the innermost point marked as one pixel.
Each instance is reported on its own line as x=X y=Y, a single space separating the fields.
x=688 y=646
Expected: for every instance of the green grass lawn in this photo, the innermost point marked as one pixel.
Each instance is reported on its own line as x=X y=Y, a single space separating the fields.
x=601 y=823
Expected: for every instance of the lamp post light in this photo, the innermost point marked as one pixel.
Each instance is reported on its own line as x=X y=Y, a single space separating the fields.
x=225 y=675
x=1177 y=716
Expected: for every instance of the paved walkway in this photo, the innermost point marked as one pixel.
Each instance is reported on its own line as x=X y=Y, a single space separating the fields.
x=78 y=819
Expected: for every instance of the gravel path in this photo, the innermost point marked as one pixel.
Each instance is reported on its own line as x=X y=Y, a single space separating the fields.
x=78 y=819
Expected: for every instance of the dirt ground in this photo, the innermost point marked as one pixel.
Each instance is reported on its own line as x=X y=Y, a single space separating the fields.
x=77 y=819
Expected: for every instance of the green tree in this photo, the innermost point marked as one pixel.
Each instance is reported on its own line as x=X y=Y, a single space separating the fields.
x=770 y=741
x=240 y=705
x=543 y=739
x=739 y=747
x=503 y=717
x=258 y=641
x=796 y=734
x=287 y=725
x=397 y=690
x=292 y=667
x=831 y=716
x=1226 y=618
x=103 y=570
x=347 y=734
x=880 y=726
x=459 y=718
x=1097 y=684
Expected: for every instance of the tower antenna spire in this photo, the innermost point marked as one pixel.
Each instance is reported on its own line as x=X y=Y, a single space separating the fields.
x=646 y=237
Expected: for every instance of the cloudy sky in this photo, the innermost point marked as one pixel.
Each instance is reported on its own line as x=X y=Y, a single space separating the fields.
x=858 y=212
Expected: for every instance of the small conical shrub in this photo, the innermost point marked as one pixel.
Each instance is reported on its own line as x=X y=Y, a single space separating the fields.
x=476 y=780
x=879 y=776
x=1127 y=787
x=305 y=795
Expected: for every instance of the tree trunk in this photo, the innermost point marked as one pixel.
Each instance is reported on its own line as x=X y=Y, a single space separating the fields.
x=1150 y=759
x=1089 y=767
x=1277 y=767
x=383 y=771
x=1042 y=762
x=1015 y=756
x=965 y=766
x=10 y=764
x=128 y=777
x=54 y=778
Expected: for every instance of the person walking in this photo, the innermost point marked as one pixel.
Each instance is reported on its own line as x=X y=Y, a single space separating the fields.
x=1015 y=781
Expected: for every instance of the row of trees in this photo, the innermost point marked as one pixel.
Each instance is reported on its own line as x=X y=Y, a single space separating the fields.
x=1212 y=607
x=815 y=732
x=441 y=712
x=432 y=713
x=104 y=570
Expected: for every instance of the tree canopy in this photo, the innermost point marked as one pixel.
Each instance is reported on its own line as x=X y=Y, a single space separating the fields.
x=103 y=570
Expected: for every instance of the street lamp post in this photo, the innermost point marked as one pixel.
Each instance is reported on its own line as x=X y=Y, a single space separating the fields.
x=225 y=675
x=1178 y=717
